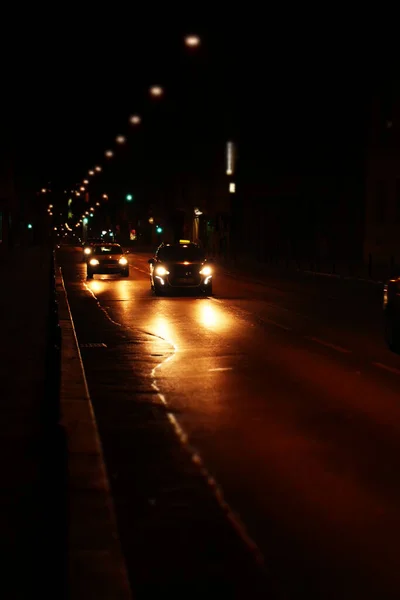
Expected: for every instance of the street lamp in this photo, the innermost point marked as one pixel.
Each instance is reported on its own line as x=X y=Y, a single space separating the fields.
x=82 y=188
x=120 y=139
x=135 y=120
x=44 y=190
x=91 y=172
x=192 y=41
x=109 y=153
x=105 y=196
x=97 y=203
x=156 y=91
x=98 y=169
x=50 y=206
x=86 y=181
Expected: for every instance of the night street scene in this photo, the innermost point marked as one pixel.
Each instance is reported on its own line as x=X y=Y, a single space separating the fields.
x=200 y=310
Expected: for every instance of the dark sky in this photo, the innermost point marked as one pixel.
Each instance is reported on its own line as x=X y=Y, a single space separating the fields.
x=276 y=86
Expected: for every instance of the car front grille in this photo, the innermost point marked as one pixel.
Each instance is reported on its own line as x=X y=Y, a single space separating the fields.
x=184 y=275
x=109 y=262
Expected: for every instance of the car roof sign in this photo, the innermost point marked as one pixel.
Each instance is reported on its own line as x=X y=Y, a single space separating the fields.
x=184 y=241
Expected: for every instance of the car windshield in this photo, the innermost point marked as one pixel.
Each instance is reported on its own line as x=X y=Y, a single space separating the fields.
x=181 y=253
x=114 y=249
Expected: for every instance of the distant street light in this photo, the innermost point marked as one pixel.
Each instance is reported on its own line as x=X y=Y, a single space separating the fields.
x=87 y=212
x=98 y=169
x=156 y=90
x=50 y=206
x=86 y=181
x=82 y=188
x=120 y=139
x=129 y=197
x=97 y=203
x=151 y=220
x=77 y=193
x=105 y=196
x=192 y=41
x=109 y=153
x=135 y=120
x=91 y=172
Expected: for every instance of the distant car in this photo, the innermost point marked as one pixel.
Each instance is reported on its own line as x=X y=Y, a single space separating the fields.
x=87 y=247
x=391 y=310
x=180 y=266
x=107 y=259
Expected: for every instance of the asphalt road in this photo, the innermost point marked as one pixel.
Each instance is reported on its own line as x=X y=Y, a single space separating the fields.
x=252 y=438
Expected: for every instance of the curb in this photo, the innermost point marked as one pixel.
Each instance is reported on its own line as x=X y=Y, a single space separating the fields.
x=96 y=566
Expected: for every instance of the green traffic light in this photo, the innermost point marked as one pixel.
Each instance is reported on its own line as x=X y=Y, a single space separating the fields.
x=85 y=221
x=159 y=229
x=91 y=214
x=129 y=197
x=30 y=225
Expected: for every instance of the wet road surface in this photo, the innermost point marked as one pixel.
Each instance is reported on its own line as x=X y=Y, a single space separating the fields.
x=252 y=438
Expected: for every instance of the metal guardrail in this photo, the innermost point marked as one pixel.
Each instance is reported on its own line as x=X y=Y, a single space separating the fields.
x=52 y=411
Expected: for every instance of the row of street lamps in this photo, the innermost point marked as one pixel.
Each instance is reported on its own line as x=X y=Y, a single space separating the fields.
x=156 y=91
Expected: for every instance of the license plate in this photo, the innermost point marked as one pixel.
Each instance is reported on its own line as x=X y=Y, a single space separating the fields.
x=185 y=280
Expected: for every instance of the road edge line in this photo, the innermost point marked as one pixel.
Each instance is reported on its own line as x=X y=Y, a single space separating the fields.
x=96 y=565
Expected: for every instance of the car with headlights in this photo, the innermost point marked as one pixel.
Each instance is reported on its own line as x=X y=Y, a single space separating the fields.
x=391 y=311
x=87 y=247
x=107 y=259
x=180 y=266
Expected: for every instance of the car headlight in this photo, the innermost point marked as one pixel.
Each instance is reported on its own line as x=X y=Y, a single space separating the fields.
x=94 y=262
x=206 y=271
x=161 y=271
x=87 y=250
x=123 y=261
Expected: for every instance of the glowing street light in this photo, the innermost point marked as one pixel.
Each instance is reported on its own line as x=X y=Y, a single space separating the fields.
x=120 y=139
x=91 y=208
x=135 y=120
x=77 y=193
x=50 y=206
x=86 y=181
x=97 y=203
x=87 y=212
x=51 y=214
x=44 y=190
x=82 y=188
x=151 y=220
x=105 y=196
x=91 y=172
x=156 y=91
x=109 y=153
x=192 y=41
x=98 y=169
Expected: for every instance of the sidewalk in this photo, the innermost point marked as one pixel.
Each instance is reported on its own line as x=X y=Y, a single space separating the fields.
x=58 y=537
x=95 y=566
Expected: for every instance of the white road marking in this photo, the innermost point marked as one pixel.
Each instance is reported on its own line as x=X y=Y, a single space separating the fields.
x=222 y=369
x=141 y=270
x=183 y=437
x=328 y=344
x=271 y=322
x=387 y=368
